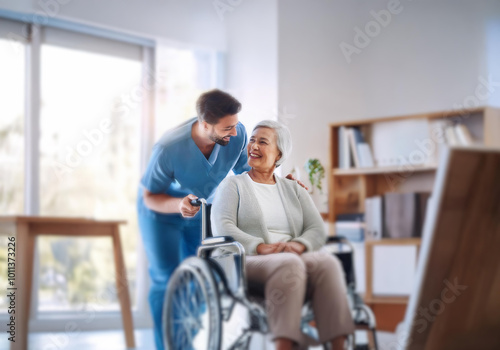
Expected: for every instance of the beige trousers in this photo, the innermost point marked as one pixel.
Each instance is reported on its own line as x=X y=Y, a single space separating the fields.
x=287 y=278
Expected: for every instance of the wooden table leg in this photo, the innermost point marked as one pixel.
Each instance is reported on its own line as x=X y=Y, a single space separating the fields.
x=25 y=250
x=122 y=289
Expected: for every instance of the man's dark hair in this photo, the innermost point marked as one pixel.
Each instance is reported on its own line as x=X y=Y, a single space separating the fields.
x=216 y=104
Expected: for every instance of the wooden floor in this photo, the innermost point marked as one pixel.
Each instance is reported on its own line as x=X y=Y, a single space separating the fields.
x=114 y=340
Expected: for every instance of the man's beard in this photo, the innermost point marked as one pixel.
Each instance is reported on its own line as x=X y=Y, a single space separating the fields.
x=218 y=139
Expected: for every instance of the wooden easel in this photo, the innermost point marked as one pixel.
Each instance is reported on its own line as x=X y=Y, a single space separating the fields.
x=456 y=303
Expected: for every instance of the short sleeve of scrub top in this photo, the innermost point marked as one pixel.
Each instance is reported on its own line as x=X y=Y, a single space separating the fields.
x=158 y=176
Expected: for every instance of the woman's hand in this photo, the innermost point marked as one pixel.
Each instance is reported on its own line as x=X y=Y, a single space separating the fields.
x=265 y=249
x=282 y=247
x=295 y=247
x=290 y=177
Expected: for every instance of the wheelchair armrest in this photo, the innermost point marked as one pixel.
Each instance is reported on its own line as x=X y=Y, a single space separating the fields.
x=217 y=240
x=212 y=244
x=336 y=239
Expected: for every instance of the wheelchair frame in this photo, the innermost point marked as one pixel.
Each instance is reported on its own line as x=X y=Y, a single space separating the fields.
x=222 y=292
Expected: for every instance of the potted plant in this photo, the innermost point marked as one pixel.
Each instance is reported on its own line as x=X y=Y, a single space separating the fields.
x=316 y=173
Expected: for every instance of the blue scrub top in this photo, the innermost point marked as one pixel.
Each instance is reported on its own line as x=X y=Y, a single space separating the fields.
x=177 y=167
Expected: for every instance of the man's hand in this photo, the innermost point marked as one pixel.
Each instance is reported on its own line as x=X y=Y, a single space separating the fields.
x=185 y=207
x=290 y=177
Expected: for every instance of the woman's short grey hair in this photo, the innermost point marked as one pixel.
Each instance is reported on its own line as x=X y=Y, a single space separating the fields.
x=283 y=138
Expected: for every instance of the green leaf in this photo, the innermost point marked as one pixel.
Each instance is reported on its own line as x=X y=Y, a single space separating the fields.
x=316 y=173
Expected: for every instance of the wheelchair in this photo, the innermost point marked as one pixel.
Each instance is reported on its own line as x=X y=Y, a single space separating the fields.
x=203 y=292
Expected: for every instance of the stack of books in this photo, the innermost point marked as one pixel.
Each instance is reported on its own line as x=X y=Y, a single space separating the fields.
x=351 y=226
x=452 y=135
x=353 y=149
x=395 y=215
x=399 y=142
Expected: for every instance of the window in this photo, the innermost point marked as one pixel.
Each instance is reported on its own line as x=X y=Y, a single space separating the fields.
x=89 y=166
x=12 y=63
x=88 y=150
x=11 y=124
x=89 y=139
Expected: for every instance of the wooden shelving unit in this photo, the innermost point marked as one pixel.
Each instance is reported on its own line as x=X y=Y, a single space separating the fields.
x=382 y=170
x=348 y=188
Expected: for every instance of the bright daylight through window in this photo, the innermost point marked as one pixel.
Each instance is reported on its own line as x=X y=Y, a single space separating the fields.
x=89 y=167
x=11 y=143
x=91 y=106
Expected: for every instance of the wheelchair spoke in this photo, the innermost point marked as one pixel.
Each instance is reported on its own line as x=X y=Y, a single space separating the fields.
x=187 y=317
x=191 y=313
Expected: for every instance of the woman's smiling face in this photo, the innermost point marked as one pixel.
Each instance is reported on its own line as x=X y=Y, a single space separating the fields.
x=262 y=149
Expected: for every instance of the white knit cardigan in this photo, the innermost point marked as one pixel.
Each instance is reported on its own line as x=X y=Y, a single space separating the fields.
x=236 y=212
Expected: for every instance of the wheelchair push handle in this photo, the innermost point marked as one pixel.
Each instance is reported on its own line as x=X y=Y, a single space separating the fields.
x=203 y=203
x=196 y=202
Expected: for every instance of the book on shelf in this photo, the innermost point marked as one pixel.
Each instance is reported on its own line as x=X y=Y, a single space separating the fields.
x=353 y=141
x=451 y=136
x=438 y=138
x=358 y=217
x=395 y=215
x=399 y=143
x=404 y=214
x=353 y=151
x=353 y=231
x=457 y=135
x=365 y=155
x=423 y=201
x=343 y=149
x=351 y=226
x=463 y=135
x=399 y=215
x=374 y=218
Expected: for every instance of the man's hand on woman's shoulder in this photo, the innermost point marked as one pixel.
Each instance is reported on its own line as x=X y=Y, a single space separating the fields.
x=290 y=177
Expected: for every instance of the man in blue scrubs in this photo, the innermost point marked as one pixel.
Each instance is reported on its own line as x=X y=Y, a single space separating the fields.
x=188 y=162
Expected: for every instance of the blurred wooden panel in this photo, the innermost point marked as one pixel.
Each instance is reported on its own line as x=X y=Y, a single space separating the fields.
x=388 y=316
x=347 y=196
x=458 y=303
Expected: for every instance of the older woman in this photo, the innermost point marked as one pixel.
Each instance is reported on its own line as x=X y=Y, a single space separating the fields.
x=270 y=215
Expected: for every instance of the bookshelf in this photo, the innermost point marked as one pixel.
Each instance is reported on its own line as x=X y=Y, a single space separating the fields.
x=381 y=170
x=349 y=187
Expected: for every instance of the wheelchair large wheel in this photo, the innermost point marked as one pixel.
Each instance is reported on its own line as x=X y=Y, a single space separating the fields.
x=191 y=312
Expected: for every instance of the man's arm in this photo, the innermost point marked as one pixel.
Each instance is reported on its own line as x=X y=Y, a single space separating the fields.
x=164 y=203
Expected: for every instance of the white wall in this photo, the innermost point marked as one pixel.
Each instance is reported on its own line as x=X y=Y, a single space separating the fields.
x=190 y=21
x=193 y=22
x=252 y=58
x=428 y=58
x=17 y=5
x=492 y=26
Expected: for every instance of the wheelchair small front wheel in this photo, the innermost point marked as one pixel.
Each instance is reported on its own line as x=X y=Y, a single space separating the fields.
x=191 y=311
